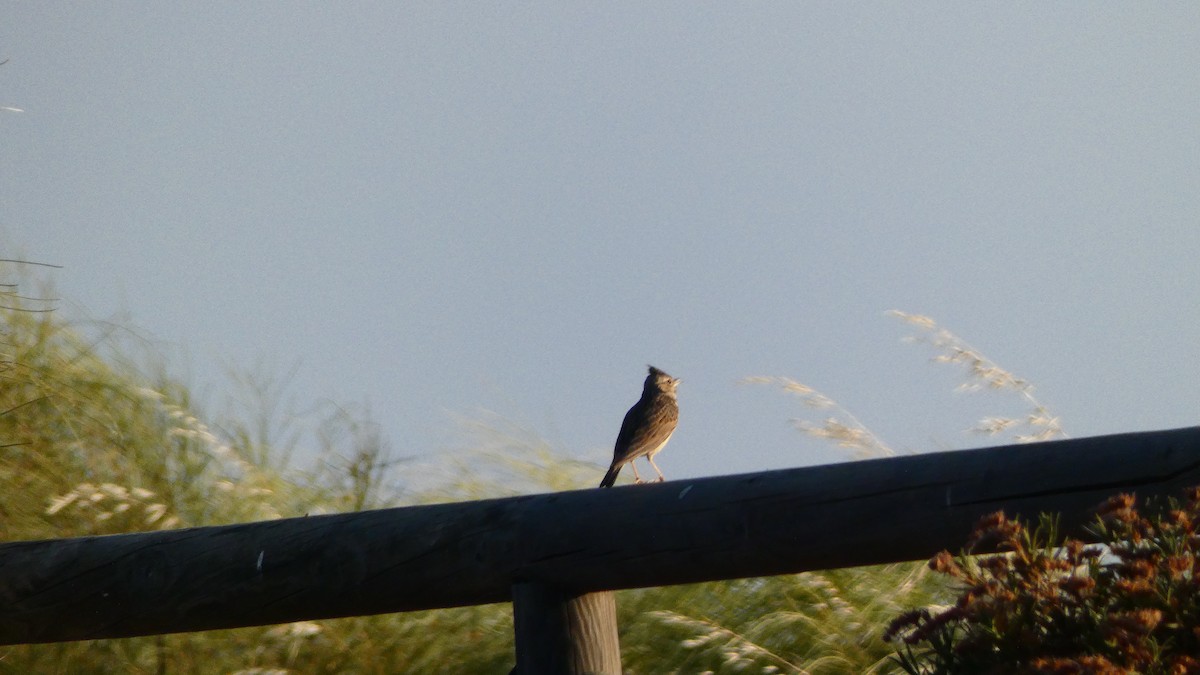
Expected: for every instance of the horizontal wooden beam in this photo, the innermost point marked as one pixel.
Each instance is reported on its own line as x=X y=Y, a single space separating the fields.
x=469 y=553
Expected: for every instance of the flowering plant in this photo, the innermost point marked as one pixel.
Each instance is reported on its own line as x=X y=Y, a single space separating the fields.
x=1129 y=603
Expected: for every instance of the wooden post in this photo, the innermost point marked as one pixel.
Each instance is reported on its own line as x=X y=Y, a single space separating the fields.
x=561 y=632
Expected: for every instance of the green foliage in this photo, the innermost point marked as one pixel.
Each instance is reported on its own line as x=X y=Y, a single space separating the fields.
x=816 y=622
x=90 y=445
x=1049 y=605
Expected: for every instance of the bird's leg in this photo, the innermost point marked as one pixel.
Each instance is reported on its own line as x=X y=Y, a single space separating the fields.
x=637 y=480
x=661 y=477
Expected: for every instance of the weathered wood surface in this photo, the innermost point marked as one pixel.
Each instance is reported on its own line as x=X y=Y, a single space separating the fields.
x=471 y=553
x=562 y=633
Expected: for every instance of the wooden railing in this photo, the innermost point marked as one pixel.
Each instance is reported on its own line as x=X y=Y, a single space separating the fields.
x=558 y=555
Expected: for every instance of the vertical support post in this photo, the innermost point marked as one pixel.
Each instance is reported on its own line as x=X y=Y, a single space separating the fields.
x=562 y=632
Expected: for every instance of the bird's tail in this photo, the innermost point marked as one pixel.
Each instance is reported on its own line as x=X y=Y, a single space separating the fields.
x=611 y=476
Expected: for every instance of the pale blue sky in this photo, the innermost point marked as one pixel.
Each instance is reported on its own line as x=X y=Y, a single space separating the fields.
x=443 y=207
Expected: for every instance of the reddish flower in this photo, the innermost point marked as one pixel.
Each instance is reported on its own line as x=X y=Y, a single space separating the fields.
x=1078 y=586
x=944 y=562
x=1118 y=509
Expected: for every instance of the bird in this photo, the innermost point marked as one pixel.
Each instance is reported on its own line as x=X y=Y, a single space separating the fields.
x=647 y=426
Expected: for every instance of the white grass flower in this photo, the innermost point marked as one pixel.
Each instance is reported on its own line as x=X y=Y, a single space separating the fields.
x=151 y=394
x=981 y=373
x=295 y=630
x=115 y=491
x=737 y=651
x=915 y=319
x=154 y=512
x=993 y=425
x=844 y=428
x=59 y=503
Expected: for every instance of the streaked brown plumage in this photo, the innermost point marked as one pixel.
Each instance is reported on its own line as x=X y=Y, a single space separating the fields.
x=647 y=427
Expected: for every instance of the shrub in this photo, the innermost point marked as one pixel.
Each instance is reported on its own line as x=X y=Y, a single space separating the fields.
x=1129 y=604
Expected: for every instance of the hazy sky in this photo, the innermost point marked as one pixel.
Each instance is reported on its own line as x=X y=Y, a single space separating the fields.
x=439 y=208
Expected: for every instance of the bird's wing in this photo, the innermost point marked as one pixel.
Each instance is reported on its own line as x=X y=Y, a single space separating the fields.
x=638 y=437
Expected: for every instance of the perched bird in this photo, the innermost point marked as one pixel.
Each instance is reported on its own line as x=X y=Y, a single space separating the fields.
x=647 y=427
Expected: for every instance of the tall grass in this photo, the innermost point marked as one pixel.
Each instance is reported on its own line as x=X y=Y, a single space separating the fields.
x=93 y=441
x=833 y=621
x=982 y=373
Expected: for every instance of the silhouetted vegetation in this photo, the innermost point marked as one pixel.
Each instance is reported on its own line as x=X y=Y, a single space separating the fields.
x=1130 y=604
